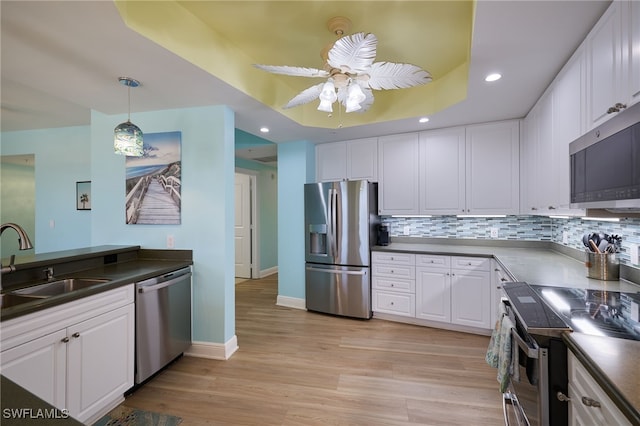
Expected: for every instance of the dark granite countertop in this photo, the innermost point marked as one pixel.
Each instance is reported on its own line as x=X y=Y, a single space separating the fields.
x=614 y=365
x=20 y=407
x=145 y=264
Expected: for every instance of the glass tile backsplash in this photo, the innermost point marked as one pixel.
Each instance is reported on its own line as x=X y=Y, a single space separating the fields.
x=526 y=228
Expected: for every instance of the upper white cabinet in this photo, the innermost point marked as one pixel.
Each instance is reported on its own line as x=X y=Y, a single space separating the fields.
x=612 y=63
x=442 y=171
x=399 y=163
x=492 y=168
x=553 y=123
x=350 y=160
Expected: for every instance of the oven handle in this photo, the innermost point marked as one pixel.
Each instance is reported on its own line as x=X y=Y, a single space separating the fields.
x=510 y=398
x=530 y=352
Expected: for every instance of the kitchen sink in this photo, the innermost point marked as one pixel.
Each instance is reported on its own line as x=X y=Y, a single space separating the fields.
x=55 y=288
x=8 y=300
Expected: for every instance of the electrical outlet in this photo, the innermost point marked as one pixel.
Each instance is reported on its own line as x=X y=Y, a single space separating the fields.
x=633 y=254
x=494 y=232
x=170 y=242
x=565 y=237
x=406 y=230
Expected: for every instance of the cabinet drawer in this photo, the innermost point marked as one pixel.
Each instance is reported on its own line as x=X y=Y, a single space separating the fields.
x=394 y=271
x=395 y=258
x=394 y=303
x=472 y=263
x=394 y=284
x=433 y=260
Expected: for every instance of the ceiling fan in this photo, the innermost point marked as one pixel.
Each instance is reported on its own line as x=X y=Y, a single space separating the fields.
x=351 y=73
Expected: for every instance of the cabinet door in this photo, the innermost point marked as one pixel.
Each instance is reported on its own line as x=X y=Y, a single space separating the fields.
x=433 y=294
x=634 y=52
x=398 y=173
x=529 y=164
x=442 y=171
x=362 y=159
x=567 y=126
x=492 y=159
x=604 y=65
x=40 y=367
x=101 y=362
x=545 y=173
x=471 y=298
x=331 y=161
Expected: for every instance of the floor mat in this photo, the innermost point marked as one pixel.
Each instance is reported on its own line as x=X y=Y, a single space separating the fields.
x=123 y=416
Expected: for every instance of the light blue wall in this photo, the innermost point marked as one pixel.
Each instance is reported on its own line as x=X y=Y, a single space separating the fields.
x=62 y=158
x=296 y=166
x=207 y=206
x=17 y=204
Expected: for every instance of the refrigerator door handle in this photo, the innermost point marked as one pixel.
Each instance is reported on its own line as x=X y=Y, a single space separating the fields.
x=333 y=219
x=336 y=271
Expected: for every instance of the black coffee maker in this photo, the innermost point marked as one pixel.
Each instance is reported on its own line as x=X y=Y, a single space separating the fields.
x=383 y=234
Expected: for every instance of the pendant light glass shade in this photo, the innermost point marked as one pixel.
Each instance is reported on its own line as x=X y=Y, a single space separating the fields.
x=128 y=138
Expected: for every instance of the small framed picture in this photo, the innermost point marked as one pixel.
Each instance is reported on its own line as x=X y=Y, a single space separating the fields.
x=83 y=195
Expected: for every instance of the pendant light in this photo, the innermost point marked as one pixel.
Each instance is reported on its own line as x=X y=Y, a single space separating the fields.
x=127 y=136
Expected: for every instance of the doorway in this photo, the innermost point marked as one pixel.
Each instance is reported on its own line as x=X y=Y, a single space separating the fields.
x=245 y=226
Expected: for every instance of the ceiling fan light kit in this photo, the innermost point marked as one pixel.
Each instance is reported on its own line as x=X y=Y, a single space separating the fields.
x=351 y=72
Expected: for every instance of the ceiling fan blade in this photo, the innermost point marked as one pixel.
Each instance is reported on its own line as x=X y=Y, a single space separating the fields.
x=389 y=75
x=306 y=96
x=293 y=71
x=353 y=53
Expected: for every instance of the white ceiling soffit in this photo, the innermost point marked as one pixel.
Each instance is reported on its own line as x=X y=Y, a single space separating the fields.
x=61 y=59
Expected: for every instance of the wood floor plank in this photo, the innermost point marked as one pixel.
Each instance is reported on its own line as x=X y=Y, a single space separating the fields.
x=302 y=368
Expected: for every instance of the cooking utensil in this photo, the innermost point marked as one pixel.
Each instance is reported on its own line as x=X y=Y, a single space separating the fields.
x=593 y=246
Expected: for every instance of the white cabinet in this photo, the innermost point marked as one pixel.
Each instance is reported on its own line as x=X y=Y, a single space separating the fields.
x=499 y=276
x=393 y=283
x=433 y=293
x=40 y=366
x=454 y=290
x=399 y=163
x=492 y=168
x=77 y=356
x=589 y=404
x=552 y=124
x=442 y=171
x=350 y=160
x=613 y=81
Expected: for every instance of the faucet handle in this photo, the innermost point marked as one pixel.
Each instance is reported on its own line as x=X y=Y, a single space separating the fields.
x=49 y=273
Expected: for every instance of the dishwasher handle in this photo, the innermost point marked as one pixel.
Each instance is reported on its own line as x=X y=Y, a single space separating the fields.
x=156 y=284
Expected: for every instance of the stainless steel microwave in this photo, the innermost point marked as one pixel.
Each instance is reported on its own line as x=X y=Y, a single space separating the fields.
x=605 y=164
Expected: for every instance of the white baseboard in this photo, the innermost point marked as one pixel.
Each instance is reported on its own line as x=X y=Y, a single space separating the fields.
x=266 y=272
x=221 y=351
x=291 y=302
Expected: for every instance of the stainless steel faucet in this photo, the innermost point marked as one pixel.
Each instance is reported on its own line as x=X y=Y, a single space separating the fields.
x=23 y=241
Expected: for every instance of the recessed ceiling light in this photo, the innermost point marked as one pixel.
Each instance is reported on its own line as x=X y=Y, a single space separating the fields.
x=493 y=77
x=424 y=120
x=264 y=129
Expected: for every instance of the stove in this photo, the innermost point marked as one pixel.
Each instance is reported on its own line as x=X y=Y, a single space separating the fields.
x=596 y=312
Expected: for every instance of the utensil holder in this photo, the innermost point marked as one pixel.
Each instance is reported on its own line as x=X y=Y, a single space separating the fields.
x=603 y=266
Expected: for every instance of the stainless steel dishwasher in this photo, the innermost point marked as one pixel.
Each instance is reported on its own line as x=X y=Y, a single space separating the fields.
x=163 y=321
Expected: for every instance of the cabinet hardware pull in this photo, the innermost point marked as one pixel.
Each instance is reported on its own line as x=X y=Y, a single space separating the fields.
x=503 y=279
x=590 y=402
x=65 y=340
x=616 y=108
x=76 y=334
x=551 y=208
x=562 y=397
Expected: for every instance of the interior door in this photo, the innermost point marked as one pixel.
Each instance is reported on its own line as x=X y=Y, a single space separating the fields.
x=243 y=225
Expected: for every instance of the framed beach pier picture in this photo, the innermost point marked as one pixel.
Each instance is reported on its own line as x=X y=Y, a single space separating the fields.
x=153 y=181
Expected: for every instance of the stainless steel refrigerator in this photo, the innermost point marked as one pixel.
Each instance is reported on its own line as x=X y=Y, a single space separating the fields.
x=340 y=228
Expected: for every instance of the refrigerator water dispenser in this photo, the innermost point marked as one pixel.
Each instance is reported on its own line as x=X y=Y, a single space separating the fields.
x=318 y=239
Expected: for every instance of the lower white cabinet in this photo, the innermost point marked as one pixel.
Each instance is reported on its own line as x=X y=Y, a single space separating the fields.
x=393 y=283
x=453 y=290
x=589 y=405
x=86 y=364
x=499 y=276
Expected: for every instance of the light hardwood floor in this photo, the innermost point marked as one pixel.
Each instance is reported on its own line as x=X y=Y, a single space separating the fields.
x=302 y=368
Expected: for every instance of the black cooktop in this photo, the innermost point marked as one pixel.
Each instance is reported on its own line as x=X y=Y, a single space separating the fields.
x=595 y=312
